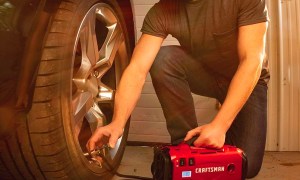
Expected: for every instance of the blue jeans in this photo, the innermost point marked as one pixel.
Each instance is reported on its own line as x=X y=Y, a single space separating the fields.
x=175 y=74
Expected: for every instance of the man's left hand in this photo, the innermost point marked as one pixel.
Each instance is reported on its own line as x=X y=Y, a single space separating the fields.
x=210 y=135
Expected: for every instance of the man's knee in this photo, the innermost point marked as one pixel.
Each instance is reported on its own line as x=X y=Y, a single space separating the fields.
x=165 y=62
x=253 y=169
x=169 y=52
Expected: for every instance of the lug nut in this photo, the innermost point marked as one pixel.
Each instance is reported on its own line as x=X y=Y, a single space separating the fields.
x=96 y=73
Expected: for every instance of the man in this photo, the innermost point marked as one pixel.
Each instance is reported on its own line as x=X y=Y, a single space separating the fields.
x=221 y=56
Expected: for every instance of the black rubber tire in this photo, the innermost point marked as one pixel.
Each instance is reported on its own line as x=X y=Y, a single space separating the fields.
x=43 y=146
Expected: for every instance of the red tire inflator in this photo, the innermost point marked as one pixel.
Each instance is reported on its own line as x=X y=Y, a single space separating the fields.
x=184 y=162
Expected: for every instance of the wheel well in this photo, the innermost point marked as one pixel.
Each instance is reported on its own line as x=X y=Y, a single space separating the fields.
x=127 y=9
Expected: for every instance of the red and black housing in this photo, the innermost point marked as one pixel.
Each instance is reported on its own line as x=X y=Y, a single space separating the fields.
x=184 y=162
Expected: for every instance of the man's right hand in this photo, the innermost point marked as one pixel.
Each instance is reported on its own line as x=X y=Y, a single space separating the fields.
x=105 y=135
x=128 y=92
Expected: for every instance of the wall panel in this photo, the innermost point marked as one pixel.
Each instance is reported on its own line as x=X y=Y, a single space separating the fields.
x=273 y=52
x=289 y=123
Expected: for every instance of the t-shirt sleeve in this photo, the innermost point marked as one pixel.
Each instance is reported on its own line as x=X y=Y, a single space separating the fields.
x=252 y=12
x=155 y=22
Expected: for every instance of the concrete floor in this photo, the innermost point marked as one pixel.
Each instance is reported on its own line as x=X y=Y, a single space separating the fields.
x=276 y=165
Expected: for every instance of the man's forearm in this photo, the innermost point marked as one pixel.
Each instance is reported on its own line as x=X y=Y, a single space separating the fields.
x=127 y=95
x=251 y=49
x=134 y=76
x=239 y=91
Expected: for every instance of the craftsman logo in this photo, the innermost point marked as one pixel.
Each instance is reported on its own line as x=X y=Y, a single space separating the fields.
x=210 y=169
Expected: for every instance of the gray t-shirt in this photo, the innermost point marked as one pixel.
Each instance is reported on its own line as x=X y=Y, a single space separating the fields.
x=207 y=29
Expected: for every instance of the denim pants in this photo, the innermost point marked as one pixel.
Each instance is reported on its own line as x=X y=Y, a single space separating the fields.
x=175 y=74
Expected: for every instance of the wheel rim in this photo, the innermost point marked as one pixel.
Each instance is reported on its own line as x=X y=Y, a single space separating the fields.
x=100 y=53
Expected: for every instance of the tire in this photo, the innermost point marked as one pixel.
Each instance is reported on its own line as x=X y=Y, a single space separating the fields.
x=85 y=52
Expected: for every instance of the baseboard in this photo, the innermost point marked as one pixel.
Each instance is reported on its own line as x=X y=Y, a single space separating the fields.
x=150 y=144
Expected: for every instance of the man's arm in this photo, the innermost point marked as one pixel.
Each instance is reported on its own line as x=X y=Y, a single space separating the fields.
x=251 y=49
x=129 y=91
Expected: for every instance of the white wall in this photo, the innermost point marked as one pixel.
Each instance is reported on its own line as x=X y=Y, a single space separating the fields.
x=147 y=120
x=284 y=87
x=289 y=114
x=273 y=49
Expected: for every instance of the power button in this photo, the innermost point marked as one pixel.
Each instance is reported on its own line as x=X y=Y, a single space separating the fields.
x=191 y=161
x=182 y=162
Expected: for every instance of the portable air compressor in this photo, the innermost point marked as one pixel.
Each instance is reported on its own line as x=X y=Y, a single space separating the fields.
x=184 y=162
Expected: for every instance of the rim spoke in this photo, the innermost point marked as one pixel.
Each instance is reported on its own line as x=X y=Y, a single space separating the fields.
x=95 y=117
x=89 y=42
x=105 y=95
x=114 y=151
x=92 y=86
x=110 y=47
x=89 y=52
x=82 y=103
x=112 y=43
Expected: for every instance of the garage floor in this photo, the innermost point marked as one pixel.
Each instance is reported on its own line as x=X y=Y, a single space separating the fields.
x=276 y=165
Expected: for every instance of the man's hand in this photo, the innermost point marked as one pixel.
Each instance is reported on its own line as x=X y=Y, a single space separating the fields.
x=128 y=92
x=210 y=135
x=103 y=135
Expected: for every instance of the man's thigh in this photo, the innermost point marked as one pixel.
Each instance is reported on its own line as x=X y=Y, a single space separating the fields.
x=175 y=62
